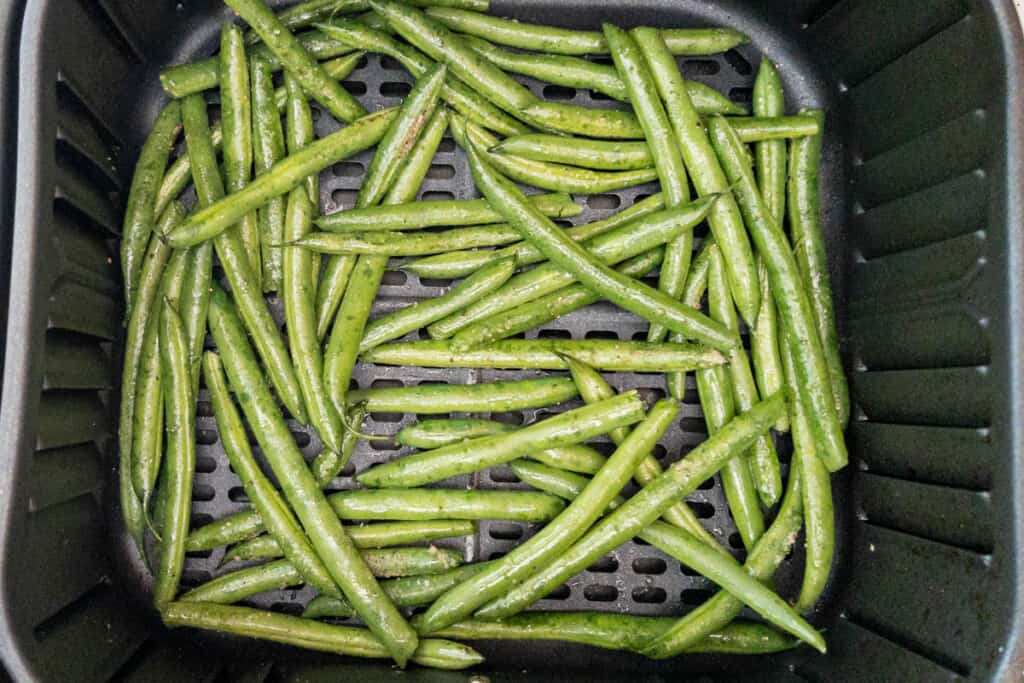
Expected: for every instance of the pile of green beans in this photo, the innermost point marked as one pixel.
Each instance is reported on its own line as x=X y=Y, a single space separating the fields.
x=373 y=543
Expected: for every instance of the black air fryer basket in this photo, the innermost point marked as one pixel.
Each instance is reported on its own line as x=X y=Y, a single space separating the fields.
x=923 y=217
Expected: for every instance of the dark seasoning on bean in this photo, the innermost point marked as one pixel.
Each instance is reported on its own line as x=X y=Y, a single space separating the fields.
x=533 y=454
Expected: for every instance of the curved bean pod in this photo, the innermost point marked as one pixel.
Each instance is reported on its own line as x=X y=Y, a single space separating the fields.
x=329 y=464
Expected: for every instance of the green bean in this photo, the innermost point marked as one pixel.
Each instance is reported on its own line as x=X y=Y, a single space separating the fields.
x=764 y=345
x=297 y=60
x=725 y=220
x=761 y=128
x=148 y=415
x=693 y=294
x=460 y=264
x=396 y=244
x=817 y=499
x=328 y=464
x=593 y=388
x=193 y=77
x=616 y=632
x=664 y=151
x=312 y=635
x=638 y=512
x=812 y=260
x=382 y=535
x=458 y=95
x=610 y=248
x=141 y=212
x=770 y=155
x=576 y=458
x=546 y=354
x=398 y=505
x=757 y=472
x=361 y=291
x=195 y=302
x=268 y=503
x=152 y=268
x=427 y=434
x=300 y=488
x=408 y=591
x=531 y=556
x=495 y=397
x=574 y=72
x=795 y=310
x=575 y=119
x=268 y=150
x=179 y=417
x=510 y=32
x=552 y=177
x=282 y=177
x=761 y=563
x=567 y=428
x=548 y=307
x=438 y=43
x=299 y=318
x=423 y=313
x=617 y=288
x=446 y=212
x=236 y=124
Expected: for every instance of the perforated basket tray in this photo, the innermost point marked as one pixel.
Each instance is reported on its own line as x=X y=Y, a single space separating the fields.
x=917 y=157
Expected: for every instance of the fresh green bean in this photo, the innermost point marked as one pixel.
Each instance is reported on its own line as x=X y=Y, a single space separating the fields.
x=552 y=177
x=575 y=119
x=435 y=433
x=547 y=354
x=236 y=124
x=707 y=41
x=761 y=563
x=638 y=512
x=817 y=499
x=610 y=248
x=268 y=150
x=284 y=529
x=179 y=417
x=495 y=397
x=382 y=535
x=577 y=458
x=195 y=302
x=757 y=472
x=445 y=212
x=725 y=220
x=457 y=94
x=408 y=591
x=567 y=428
x=616 y=632
x=531 y=556
x=398 y=505
x=764 y=345
x=152 y=268
x=297 y=60
x=770 y=155
x=462 y=263
x=548 y=307
x=438 y=43
x=312 y=635
x=761 y=128
x=282 y=177
x=396 y=244
x=593 y=388
x=300 y=488
x=423 y=313
x=617 y=288
x=791 y=297
x=643 y=93
x=812 y=260
x=328 y=464
x=693 y=294
x=141 y=212
x=573 y=72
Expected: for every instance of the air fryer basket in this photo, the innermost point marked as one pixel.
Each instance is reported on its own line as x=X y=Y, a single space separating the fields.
x=923 y=141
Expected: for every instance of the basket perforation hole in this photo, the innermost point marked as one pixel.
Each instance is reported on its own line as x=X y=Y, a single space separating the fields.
x=605 y=448
x=742 y=95
x=693 y=425
x=386 y=384
x=348 y=169
x=605 y=565
x=707 y=484
x=738 y=62
x=433 y=282
x=640 y=197
x=561 y=593
x=198 y=519
x=390 y=63
x=199 y=554
x=315 y=113
x=237 y=494
x=441 y=172
x=437 y=195
x=203 y=493
x=503 y=475
x=388 y=418
x=640 y=541
x=204 y=409
x=600 y=593
x=505 y=532
x=702 y=509
x=558 y=92
x=497 y=555
x=205 y=464
x=385 y=444
x=363 y=62
x=659 y=452
x=394 y=89
x=735 y=541
x=510 y=418
x=695 y=596
x=432 y=383
x=302 y=439
x=357 y=88
x=447 y=145
x=599 y=96
x=190 y=578
x=601 y=334
x=394 y=278
x=554 y=334
x=344 y=198
x=348 y=470
x=649 y=595
x=292 y=608
x=700 y=67
x=649 y=565
x=604 y=202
